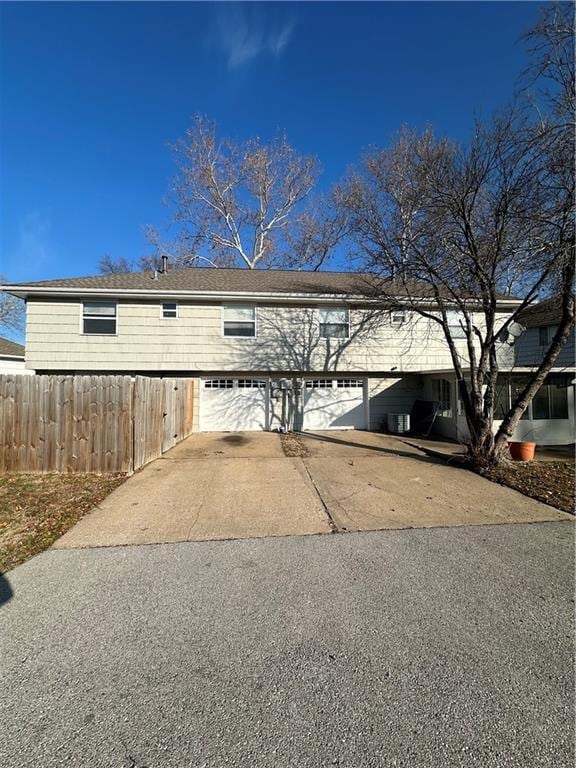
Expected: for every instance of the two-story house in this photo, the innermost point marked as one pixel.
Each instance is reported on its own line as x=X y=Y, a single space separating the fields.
x=267 y=348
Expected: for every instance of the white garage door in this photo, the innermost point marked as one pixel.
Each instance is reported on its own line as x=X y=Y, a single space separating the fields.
x=233 y=405
x=334 y=404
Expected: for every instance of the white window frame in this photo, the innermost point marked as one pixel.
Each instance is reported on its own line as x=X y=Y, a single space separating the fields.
x=98 y=317
x=455 y=320
x=169 y=317
x=238 y=304
x=394 y=314
x=337 y=308
x=444 y=412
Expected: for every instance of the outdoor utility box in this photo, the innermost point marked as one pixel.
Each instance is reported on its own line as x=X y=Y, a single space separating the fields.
x=398 y=423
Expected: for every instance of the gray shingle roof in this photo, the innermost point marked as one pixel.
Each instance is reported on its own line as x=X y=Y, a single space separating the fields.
x=228 y=280
x=225 y=280
x=11 y=348
x=546 y=312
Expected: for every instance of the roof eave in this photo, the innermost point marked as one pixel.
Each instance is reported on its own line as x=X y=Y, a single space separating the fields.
x=23 y=291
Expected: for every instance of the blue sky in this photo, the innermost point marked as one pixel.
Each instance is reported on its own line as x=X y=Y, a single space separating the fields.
x=93 y=93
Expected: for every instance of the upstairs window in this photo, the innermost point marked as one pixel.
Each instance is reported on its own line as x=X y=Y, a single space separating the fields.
x=545 y=334
x=99 y=317
x=398 y=318
x=456 y=324
x=334 y=323
x=445 y=397
x=239 y=320
x=169 y=310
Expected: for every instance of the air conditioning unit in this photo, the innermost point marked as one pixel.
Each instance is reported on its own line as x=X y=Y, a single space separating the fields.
x=398 y=423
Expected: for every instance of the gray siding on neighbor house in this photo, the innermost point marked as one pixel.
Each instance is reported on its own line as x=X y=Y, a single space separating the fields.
x=287 y=339
x=530 y=353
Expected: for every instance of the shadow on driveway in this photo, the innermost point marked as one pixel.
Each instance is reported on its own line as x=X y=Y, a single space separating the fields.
x=6 y=592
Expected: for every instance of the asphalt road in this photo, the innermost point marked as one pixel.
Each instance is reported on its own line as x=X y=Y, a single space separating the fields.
x=438 y=647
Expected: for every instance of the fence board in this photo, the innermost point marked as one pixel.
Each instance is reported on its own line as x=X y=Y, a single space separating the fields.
x=90 y=423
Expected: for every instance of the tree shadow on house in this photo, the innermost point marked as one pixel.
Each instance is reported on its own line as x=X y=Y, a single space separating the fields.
x=6 y=592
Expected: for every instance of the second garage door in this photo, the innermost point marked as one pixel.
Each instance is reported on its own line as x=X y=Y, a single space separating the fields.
x=334 y=404
x=233 y=405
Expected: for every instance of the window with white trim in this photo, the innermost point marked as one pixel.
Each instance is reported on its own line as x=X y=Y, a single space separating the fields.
x=99 y=317
x=445 y=397
x=398 y=318
x=349 y=383
x=169 y=310
x=239 y=320
x=334 y=323
x=456 y=324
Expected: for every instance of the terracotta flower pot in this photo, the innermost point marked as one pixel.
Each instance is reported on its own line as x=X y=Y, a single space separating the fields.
x=523 y=451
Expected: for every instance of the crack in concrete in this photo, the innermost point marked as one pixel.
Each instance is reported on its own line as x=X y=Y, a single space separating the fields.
x=333 y=527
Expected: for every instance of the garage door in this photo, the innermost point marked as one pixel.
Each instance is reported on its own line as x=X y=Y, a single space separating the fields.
x=334 y=404
x=233 y=405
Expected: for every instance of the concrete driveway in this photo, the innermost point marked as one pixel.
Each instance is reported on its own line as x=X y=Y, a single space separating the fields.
x=448 y=648
x=241 y=485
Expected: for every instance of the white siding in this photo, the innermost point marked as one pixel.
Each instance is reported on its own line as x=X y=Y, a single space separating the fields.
x=287 y=339
x=8 y=365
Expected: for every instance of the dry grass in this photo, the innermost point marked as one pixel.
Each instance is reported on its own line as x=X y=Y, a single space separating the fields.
x=552 y=482
x=35 y=509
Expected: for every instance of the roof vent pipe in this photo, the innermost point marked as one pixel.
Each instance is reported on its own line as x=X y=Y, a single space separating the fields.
x=164 y=264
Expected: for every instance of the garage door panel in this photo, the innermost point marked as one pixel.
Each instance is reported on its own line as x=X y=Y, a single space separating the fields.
x=334 y=404
x=234 y=405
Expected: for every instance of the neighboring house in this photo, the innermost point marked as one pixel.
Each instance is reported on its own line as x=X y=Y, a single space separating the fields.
x=267 y=347
x=12 y=357
x=550 y=417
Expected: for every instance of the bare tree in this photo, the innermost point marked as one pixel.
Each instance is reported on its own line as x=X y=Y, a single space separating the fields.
x=460 y=227
x=12 y=310
x=241 y=204
x=109 y=266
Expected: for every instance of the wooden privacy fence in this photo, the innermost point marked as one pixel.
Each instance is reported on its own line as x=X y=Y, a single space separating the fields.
x=90 y=423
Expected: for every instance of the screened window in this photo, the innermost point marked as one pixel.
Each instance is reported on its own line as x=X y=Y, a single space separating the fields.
x=551 y=401
x=169 y=310
x=334 y=323
x=501 y=400
x=456 y=325
x=516 y=387
x=444 y=397
x=239 y=320
x=99 y=317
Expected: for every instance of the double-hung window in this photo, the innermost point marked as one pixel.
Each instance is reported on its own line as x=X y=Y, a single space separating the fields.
x=99 y=317
x=334 y=323
x=239 y=320
x=456 y=324
x=169 y=310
